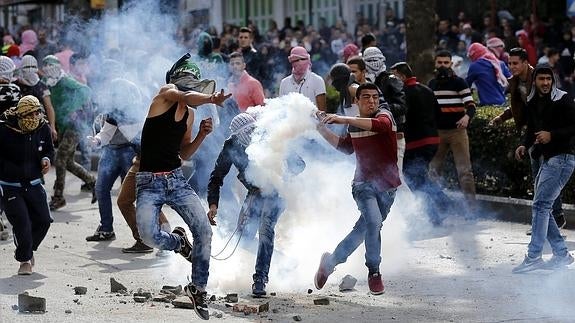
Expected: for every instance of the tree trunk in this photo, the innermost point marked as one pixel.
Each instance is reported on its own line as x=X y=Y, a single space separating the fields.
x=420 y=34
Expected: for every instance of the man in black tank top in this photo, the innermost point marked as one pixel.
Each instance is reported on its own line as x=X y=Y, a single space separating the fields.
x=166 y=140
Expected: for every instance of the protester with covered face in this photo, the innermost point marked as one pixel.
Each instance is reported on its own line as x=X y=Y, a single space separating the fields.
x=372 y=136
x=29 y=83
x=421 y=142
x=72 y=104
x=27 y=152
x=9 y=92
x=118 y=131
x=489 y=75
x=166 y=140
x=260 y=211
x=457 y=108
x=550 y=116
x=303 y=80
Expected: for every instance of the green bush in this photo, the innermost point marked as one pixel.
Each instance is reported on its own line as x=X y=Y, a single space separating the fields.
x=492 y=151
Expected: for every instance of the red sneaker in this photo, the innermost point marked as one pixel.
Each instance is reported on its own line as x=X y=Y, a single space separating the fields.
x=375 y=284
x=323 y=272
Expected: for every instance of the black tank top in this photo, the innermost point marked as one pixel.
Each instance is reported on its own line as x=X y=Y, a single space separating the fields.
x=161 y=140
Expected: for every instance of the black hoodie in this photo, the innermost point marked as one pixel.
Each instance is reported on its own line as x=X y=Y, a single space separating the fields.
x=553 y=112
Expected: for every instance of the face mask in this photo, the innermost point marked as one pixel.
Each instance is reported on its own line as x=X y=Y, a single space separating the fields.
x=299 y=68
x=443 y=73
x=190 y=83
x=29 y=124
x=29 y=78
x=245 y=135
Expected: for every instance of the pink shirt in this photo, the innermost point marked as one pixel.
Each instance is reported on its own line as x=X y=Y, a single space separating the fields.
x=64 y=58
x=248 y=92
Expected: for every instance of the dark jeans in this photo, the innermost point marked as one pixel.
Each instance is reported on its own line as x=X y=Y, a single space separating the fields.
x=416 y=173
x=27 y=211
x=261 y=213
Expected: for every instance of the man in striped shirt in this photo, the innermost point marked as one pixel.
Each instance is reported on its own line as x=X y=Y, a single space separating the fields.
x=372 y=136
x=457 y=108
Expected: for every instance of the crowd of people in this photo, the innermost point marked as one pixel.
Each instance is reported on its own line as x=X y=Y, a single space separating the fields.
x=399 y=129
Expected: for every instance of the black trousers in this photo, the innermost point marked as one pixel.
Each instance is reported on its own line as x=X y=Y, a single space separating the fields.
x=27 y=211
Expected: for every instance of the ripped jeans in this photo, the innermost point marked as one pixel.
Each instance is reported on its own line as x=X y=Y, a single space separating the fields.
x=153 y=191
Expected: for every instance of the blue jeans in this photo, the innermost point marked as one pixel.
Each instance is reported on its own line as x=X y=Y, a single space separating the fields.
x=553 y=174
x=535 y=165
x=261 y=212
x=114 y=163
x=153 y=191
x=374 y=206
x=416 y=173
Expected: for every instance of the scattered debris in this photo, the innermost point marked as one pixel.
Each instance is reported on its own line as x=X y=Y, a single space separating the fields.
x=166 y=298
x=75 y=300
x=321 y=301
x=68 y=311
x=218 y=315
x=80 y=290
x=275 y=310
x=140 y=299
x=176 y=290
x=213 y=298
x=347 y=283
x=30 y=304
x=56 y=246
x=296 y=318
x=309 y=291
x=445 y=257
x=15 y=307
x=116 y=287
x=123 y=302
x=273 y=294
x=140 y=293
x=232 y=298
x=249 y=308
x=183 y=302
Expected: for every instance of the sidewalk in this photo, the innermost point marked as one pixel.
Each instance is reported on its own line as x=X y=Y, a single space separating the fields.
x=455 y=274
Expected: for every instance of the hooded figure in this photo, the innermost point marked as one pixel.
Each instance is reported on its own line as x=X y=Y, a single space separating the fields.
x=489 y=75
x=9 y=92
x=26 y=117
x=186 y=76
x=28 y=71
x=242 y=127
x=300 y=61
x=374 y=63
x=206 y=49
x=29 y=41
x=52 y=70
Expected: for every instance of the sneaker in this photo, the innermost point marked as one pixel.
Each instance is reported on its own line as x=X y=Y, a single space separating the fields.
x=25 y=268
x=57 y=202
x=259 y=287
x=323 y=272
x=199 y=300
x=375 y=283
x=529 y=264
x=138 y=247
x=185 y=245
x=560 y=220
x=101 y=236
x=559 y=262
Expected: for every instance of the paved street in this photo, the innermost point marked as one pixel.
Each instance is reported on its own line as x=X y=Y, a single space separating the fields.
x=459 y=273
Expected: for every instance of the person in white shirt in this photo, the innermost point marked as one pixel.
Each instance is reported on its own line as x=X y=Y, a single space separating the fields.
x=303 y=80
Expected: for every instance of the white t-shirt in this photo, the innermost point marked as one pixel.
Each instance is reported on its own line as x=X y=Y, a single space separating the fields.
x=311 y=86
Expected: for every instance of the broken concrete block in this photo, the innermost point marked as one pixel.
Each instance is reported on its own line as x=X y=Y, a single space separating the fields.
x=167 y=298
x=116 y=287
x=80 y=290
x=28 y=303
x=176 y=290
x=321 y=301
x=68 y=311
x=147 y=295
x=296 y=318
x=232 y=298
x=140 y=299
x=183 y=302
x=347 y=283
x=249 y=308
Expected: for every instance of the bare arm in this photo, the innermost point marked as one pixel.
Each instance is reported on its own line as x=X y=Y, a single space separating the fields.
x=189 y=147
x=320 y=102
x=363 y=123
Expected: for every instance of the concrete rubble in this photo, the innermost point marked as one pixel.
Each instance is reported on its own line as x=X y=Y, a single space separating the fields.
x=347 y=283
x=251 y=308
x=80 y=290
x=31 y=304
x=321 y=301
x=116 y=287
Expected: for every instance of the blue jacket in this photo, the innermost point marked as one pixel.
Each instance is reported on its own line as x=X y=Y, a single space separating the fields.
x=482 y=73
